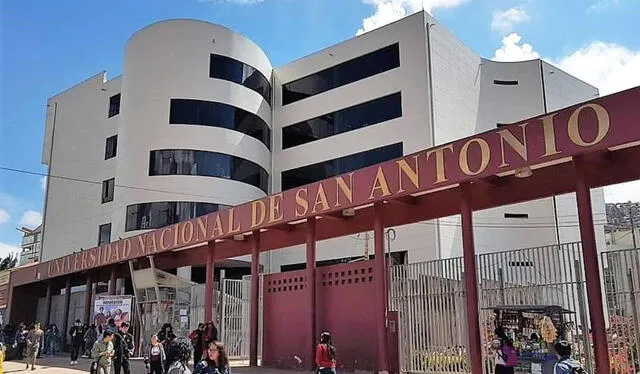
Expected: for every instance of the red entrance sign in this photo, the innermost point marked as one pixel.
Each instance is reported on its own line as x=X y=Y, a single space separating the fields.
x=600 y=124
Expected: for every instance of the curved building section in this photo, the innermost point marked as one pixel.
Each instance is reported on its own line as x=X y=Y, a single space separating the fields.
x=195 y=124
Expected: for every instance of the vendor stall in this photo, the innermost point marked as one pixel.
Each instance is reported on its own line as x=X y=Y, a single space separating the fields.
x=533 y=329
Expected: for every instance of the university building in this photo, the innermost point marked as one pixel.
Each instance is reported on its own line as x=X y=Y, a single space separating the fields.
x=200 y=121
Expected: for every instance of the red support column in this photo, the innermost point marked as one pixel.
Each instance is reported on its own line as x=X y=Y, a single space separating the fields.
x=47 y=305
x=112 y=281
x=311 y=287
x=88 y=296
x=380 y=287
x=591 y=268
x=470 y=280
x=255 y=298
x=208 y=288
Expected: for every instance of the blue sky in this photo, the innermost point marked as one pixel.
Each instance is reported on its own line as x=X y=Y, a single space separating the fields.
x=48 y=46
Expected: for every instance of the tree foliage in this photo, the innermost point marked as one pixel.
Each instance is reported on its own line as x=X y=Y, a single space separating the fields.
x=8 y=262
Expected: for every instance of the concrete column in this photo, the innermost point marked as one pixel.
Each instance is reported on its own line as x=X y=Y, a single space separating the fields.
x=470 y=280
x=591 y=268
x=255 y=298
x=311 y=288
x=112 y=281
x=209 y=303
x=379 y=272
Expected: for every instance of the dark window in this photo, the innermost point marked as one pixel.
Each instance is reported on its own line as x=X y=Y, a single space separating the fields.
x=343 y=120
x=526 y=264
x=516 y=215
x=505 y=83
x=347 y=72
x=208 y=164
x=159 y=214
x=312 y=173
x=114 y=105
x=104 y=234
x=107 y=190
x=110 y=147
x=209 y=113
x=229 y=69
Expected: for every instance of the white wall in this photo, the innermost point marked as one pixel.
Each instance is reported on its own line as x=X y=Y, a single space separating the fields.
x=167 y=60
x=74 y=209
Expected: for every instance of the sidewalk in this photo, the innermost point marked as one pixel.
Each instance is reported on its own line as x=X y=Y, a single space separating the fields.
x=60 y=365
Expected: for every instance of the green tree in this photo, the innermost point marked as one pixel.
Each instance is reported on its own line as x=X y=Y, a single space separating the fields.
x=8 y=262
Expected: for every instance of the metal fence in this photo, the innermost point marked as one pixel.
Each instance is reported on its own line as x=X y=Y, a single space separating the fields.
x=430 y=299
x=621 y=278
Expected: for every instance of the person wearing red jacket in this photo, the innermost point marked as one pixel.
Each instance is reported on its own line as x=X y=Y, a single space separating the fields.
x=326 y=355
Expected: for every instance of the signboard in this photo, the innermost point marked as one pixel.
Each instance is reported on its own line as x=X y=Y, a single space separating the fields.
x=116 y=307
x=599 y=124
x=5 y=276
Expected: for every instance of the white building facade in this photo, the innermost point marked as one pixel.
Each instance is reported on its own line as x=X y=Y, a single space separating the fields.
x=200 y=120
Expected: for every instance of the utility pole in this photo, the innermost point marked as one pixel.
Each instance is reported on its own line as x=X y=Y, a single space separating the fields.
x=633 y=227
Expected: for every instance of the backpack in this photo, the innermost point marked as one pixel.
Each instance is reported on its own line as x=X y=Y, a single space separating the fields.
x=573 y=368
x=509 y=355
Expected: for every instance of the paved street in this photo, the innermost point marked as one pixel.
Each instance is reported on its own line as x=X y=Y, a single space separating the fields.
x=60 y=365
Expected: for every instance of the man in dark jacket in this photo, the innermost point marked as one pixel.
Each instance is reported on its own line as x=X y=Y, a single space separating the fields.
x=77 y=338
x=123 y=349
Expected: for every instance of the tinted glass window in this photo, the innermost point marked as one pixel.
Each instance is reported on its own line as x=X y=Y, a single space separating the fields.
x=209 y=113
x=327 y=169
x=347 y=72
x=104 y=234
x=208 y=164
x=352 y=118
x=229 y=69
x=111 y=146
x=114 y=105
x=156 y=215
x=107 y=190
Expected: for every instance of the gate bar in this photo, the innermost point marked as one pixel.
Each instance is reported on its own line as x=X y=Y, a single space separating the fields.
x=470 y=280
x=208 y=287
x=311 y=288
x=255 y=295
x=380 y=288
x=591 y=267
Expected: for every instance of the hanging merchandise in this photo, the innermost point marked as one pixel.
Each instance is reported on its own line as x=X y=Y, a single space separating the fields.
x=548 y=330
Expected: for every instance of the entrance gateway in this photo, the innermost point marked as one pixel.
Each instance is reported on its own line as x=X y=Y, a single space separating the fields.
x=589 y=145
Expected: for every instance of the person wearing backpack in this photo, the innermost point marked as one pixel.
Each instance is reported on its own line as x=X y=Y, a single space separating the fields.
x=566 y=364
x=506 y=356
x=326 y=355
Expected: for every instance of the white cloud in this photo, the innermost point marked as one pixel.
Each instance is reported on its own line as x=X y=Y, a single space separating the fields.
x=31 y=219
x=387 y=11
x=7 y=249
x=601 y=6
x=513 y=50
x=43 y=183
x=4 y=216
x=505 y=20
x=608 y=66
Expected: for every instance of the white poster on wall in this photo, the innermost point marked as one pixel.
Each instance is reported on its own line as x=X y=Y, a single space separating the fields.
x=116 y=307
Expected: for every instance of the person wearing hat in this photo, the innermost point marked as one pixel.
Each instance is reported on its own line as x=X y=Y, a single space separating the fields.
x=123 y=349
x=77 y=338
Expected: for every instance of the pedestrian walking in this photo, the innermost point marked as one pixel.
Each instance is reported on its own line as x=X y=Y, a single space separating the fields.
x=102 y=352
x=505 y=354
x=566 y=364
x=155 y=357
x=166 y=334
x=20 y=341
x=52 y=340
x=326 y=355
x=90 y=337
x=77 y=338
x=215 y=362
x=178 y=355
x=123 y=348
x=34 y=339
x=198 y=342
